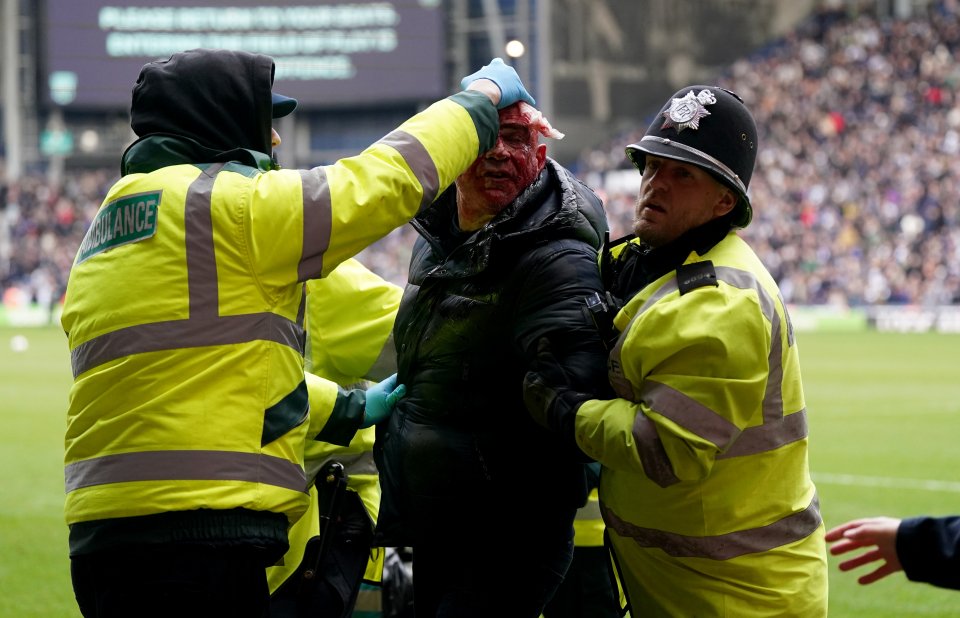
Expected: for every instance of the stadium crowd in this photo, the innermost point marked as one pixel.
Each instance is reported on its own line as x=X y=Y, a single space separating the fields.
x=856 y=193
x=41 y=227
x=857 y=189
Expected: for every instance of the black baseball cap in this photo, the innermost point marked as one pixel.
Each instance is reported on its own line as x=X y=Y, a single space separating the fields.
x=282 y=105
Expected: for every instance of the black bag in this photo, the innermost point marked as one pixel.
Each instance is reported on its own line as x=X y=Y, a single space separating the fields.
x=327 y=581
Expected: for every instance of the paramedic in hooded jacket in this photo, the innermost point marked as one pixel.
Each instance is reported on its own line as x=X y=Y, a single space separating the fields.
x=485 y=497
x=705 y=485
x=184 y=313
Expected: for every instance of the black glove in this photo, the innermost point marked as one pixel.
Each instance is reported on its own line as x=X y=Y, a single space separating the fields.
x=548 y=392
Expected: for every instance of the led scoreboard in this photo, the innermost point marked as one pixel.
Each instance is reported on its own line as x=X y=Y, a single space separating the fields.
x=328 y=53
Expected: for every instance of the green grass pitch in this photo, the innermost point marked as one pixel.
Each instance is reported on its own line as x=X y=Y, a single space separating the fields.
x=884 y=413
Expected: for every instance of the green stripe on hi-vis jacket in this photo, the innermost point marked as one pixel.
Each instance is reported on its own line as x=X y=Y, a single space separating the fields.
x=124 y=220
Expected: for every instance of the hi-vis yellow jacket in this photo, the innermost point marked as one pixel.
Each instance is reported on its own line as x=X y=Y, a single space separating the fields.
x=350 y=316
x=705 y=489
x=184 y=313
x=588 y=526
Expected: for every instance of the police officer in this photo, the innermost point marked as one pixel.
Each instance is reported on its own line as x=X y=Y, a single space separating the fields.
x=184 y=313
x=705 y=487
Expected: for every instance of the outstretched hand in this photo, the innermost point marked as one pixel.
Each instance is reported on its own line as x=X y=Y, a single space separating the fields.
x=506 y=79
x=382 y=398
x=877 y=533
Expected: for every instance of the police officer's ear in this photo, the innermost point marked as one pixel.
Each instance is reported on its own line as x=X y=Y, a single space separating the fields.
x=726 y=201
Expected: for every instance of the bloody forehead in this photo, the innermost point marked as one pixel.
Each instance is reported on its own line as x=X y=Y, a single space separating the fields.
x=516 y=115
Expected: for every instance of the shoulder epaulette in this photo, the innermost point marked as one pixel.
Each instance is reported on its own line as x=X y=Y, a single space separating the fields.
x=696 y=275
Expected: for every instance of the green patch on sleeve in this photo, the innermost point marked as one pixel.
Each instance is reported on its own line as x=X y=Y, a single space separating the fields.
x=125 y=220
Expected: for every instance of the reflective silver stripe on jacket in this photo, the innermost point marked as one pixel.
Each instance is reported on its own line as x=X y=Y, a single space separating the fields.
x=189 y=333
x=204 y=327
x=776 y=430
x=790 y=529
x=317 y=201
x=653 y=457
x=419 y=161
x=317 y=221
x=185 y=466
x=769 y=437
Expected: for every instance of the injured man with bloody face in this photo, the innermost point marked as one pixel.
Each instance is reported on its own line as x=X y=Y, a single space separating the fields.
x=485 y=496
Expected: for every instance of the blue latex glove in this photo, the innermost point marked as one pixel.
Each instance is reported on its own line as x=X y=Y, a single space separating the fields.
x=382 y=398
x=506 y=78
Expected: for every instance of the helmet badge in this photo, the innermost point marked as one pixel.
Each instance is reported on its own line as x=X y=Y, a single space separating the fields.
x=686 y=112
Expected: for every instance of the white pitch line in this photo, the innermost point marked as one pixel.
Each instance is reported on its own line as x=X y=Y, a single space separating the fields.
x=885 y=481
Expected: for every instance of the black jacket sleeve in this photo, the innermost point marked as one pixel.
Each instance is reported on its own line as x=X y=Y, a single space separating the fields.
x=929 y=550
x=553 y=305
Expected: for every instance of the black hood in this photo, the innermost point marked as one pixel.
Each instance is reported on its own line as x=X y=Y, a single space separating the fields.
x=218 y=98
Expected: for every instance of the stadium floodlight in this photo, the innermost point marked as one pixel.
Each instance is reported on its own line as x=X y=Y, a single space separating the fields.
x=514 y=48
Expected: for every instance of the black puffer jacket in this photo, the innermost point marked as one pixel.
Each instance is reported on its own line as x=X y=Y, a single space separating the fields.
x=466 y=333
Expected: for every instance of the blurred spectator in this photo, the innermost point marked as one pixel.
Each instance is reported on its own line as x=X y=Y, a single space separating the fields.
x=41 y=227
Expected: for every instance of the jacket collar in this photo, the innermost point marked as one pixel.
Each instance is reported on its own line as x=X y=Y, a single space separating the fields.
x=161 y=150
x=638 y=264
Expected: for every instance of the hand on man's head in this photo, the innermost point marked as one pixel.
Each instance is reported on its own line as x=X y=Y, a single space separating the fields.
x=506 y=79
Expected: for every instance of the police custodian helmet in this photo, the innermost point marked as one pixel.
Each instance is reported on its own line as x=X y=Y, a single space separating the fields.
x=711 y=128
